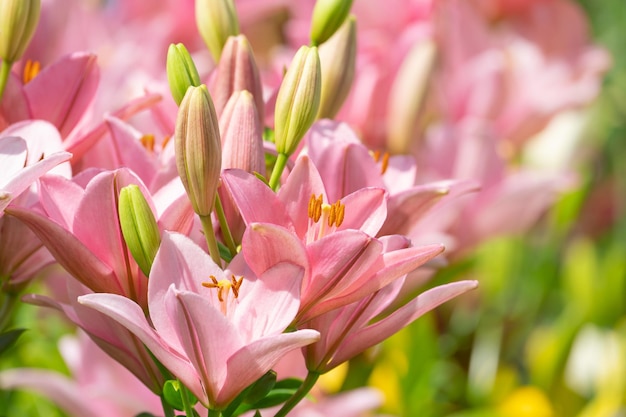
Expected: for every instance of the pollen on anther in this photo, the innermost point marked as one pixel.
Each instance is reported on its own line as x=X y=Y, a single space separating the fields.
x=340 y=210
x=385 y=163
x=148 y=142
x=31 y=69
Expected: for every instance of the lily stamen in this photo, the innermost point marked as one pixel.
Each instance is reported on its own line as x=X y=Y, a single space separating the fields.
x=147 y=141
x=31 y=69
x=383 y=158
x=224 y=286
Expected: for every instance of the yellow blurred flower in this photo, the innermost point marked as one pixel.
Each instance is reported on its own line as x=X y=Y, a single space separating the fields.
x=526 y=402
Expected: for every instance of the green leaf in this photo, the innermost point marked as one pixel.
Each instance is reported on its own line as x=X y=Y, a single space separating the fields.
x=7 y=339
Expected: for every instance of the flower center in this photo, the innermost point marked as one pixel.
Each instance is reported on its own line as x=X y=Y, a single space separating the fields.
x=224 y=288
x=383 y=158
x=327 y=217
x=31 y=69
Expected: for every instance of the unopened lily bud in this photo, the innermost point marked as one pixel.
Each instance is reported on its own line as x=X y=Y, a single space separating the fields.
x=181 y=71
x=337 y=58
x=18 y=21
x=298 y=100
x=408 y=95
x=242 y=135
x=139 y=227
x=237 y=71
x=198 y=148
x=216 y=20
x=328 y=16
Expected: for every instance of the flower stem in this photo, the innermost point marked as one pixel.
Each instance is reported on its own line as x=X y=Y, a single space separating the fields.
x=228 y=237
x=307 y=384
x=186 y=404
x=214 y=413
x=5 y=70
x=167 y=409
x=209 y=235
x=279 y=167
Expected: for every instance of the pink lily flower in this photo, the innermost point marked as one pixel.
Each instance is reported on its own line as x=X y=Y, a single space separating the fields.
x=346 y=165
x=342 y=260
x=28 y=150
x=99 y=386
x=217 y=331
x=82 y=229
x=351 y=329
x=61 y=93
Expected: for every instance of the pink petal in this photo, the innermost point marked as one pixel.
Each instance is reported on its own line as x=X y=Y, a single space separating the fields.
x=278 y=245
x=71 y=253
x=255 y=200
x=272 y=301
x=379 y=331
x=62 y=92
x=365 y=210
x=396 y=264
x=59 y=388
x=303 y=182
x=128 y=150
x=255 y=359
x=209 y=339
x=179 y=262
x=60 y=198
x=128 y=313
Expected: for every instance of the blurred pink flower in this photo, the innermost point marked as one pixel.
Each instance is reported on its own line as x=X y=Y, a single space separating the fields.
x=98 y=385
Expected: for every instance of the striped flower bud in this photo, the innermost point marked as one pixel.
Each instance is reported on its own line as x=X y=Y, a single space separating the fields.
x=139 y=227
x=337 y=57
x=18 y=21
x=216 y=20
x=242 y=135
x=328 y=16
x=298 y=100
x=198 y=148
x=181 y=71
x=237 y=71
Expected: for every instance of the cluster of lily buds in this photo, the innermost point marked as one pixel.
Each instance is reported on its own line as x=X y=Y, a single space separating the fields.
x=200 y=241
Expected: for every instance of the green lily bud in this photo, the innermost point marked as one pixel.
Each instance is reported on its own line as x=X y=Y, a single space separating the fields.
x=18 y=21
x=181 y=71
x=216 y=20
x=298 y=100
x=338 y=58
x=198 y=148
x=139 y=227
x=328 y=16
x=408 y=97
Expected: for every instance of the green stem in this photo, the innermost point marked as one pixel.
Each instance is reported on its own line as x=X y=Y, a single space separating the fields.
x=297 y=396
x=184 y=395
x=209 y=235
x=167 y=409
x=279 y=167
x=7 y=309
x=228 y=237
x=5 y=70
x=214 y=413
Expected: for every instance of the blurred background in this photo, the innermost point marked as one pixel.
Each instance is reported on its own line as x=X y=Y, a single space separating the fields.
x=545 y=333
